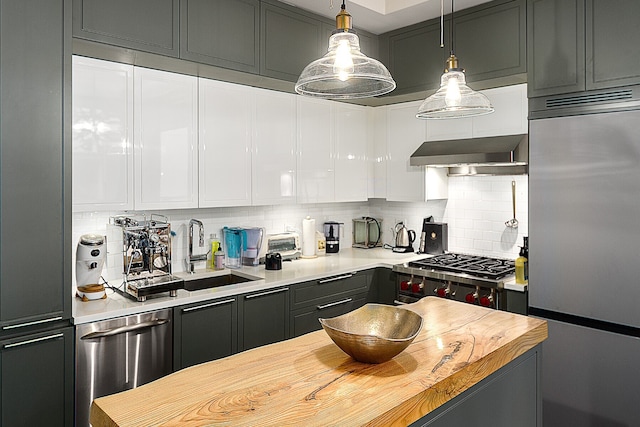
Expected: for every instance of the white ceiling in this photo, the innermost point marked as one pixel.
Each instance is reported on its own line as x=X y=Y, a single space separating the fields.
x=380 y=16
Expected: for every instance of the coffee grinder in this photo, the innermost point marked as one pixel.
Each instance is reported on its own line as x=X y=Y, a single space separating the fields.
x=332 y=236
x=90 y=256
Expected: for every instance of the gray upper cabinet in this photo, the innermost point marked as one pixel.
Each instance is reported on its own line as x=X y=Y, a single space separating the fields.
x=582 y=45
x=414 y=56
x=145 y=25
x=35 y=161
x=224 y=33
x=556 y=47
x=613 y=36
x=491 y=42
x=290 y=39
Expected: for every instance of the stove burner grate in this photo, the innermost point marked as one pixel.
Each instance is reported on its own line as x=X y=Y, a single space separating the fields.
x=474 y=265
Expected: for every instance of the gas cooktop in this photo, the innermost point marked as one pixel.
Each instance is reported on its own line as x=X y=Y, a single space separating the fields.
x=473 y=265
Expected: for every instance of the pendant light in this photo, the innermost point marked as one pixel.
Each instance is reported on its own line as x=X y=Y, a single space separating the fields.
x=454 y=99
x=344 y=72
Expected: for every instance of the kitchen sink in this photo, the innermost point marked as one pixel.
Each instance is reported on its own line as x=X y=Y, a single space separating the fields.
x=217 y=281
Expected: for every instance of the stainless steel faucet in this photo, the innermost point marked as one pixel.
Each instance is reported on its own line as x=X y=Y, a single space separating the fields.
x=192 y=259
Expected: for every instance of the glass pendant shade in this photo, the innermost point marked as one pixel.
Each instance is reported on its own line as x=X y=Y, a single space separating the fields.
x=344 y=72
x=454 y=98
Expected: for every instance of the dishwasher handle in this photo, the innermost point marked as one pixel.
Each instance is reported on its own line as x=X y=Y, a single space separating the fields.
x=124 y=329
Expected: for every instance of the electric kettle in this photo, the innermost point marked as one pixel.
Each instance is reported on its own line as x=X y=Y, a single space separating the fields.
x=404 y=238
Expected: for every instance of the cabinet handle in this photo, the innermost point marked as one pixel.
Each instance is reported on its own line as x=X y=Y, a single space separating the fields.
x=50 y=337
x=333 y=279
x=395 y=301
x=275 y=291
x=124 y=329
x=332 y=304
x=213 y=304
x=37 y=322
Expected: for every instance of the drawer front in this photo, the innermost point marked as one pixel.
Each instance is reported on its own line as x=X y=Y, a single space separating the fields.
x=328 y=289
x=305 y=320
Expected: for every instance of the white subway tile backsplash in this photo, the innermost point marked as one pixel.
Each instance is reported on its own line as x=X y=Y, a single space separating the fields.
x=475 y=212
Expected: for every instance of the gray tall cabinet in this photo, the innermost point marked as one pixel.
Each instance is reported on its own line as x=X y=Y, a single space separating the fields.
x=36 y=340
x=581 y=45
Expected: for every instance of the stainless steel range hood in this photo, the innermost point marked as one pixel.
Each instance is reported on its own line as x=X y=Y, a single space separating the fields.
x=495 y=155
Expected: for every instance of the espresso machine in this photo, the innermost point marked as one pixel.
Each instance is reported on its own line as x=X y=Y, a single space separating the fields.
x=146 y=252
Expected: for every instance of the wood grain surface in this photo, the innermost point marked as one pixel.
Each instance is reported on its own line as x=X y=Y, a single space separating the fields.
x=309 y=381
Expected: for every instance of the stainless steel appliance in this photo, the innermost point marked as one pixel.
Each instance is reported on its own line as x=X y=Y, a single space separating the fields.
x=494 y=155
x=404 y=239
x=469 y=278
x=332 y=236
x=146 y=250
x=367 y=232
x=584 y=189
x=120 y=354
x=286 y=244
x=434 y=238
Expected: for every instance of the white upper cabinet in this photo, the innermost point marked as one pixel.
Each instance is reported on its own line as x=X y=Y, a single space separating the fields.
x=406 y=183
x=377 y=152
x=224 y=153
x=274 y=148
x=165 y=140
x=102 y=141
x=351 y=168
x=405 y=133
x=316 y=153
x=510 y=115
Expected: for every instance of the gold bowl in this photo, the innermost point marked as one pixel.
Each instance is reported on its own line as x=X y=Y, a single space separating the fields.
x=374 y=333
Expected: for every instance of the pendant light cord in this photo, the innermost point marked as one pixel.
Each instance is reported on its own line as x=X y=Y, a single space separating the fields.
x=441 y=23
x=451 y=29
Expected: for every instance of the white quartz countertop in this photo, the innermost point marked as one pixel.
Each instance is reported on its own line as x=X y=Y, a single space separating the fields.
x=346 y=261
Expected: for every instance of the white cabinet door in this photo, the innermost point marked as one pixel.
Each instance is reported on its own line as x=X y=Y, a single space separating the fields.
x=165 y=142
x=274 y=148
x=405 y=133
x=351 y=152
x=377 y=152
x=102 y=135
x=446 y=129
x=510 y=115
x=315 y=151
x=224 y=144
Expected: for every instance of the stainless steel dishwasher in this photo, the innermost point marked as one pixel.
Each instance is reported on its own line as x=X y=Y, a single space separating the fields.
x=120 y=354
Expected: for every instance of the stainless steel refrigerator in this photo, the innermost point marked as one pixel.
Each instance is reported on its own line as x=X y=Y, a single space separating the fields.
x=584 y=265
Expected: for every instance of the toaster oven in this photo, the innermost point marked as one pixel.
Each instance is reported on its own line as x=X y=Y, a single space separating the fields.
x=286 y=244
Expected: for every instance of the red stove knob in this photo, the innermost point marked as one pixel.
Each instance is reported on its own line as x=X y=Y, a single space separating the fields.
x=404 y=285
x=470 y=298
x=486 y=301
x=442 y=292
x=416 y=288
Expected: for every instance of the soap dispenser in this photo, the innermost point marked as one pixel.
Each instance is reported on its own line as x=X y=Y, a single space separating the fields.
x=522 y=264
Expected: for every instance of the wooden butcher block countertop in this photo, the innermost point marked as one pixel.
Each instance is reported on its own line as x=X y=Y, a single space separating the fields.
x=309 y=381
